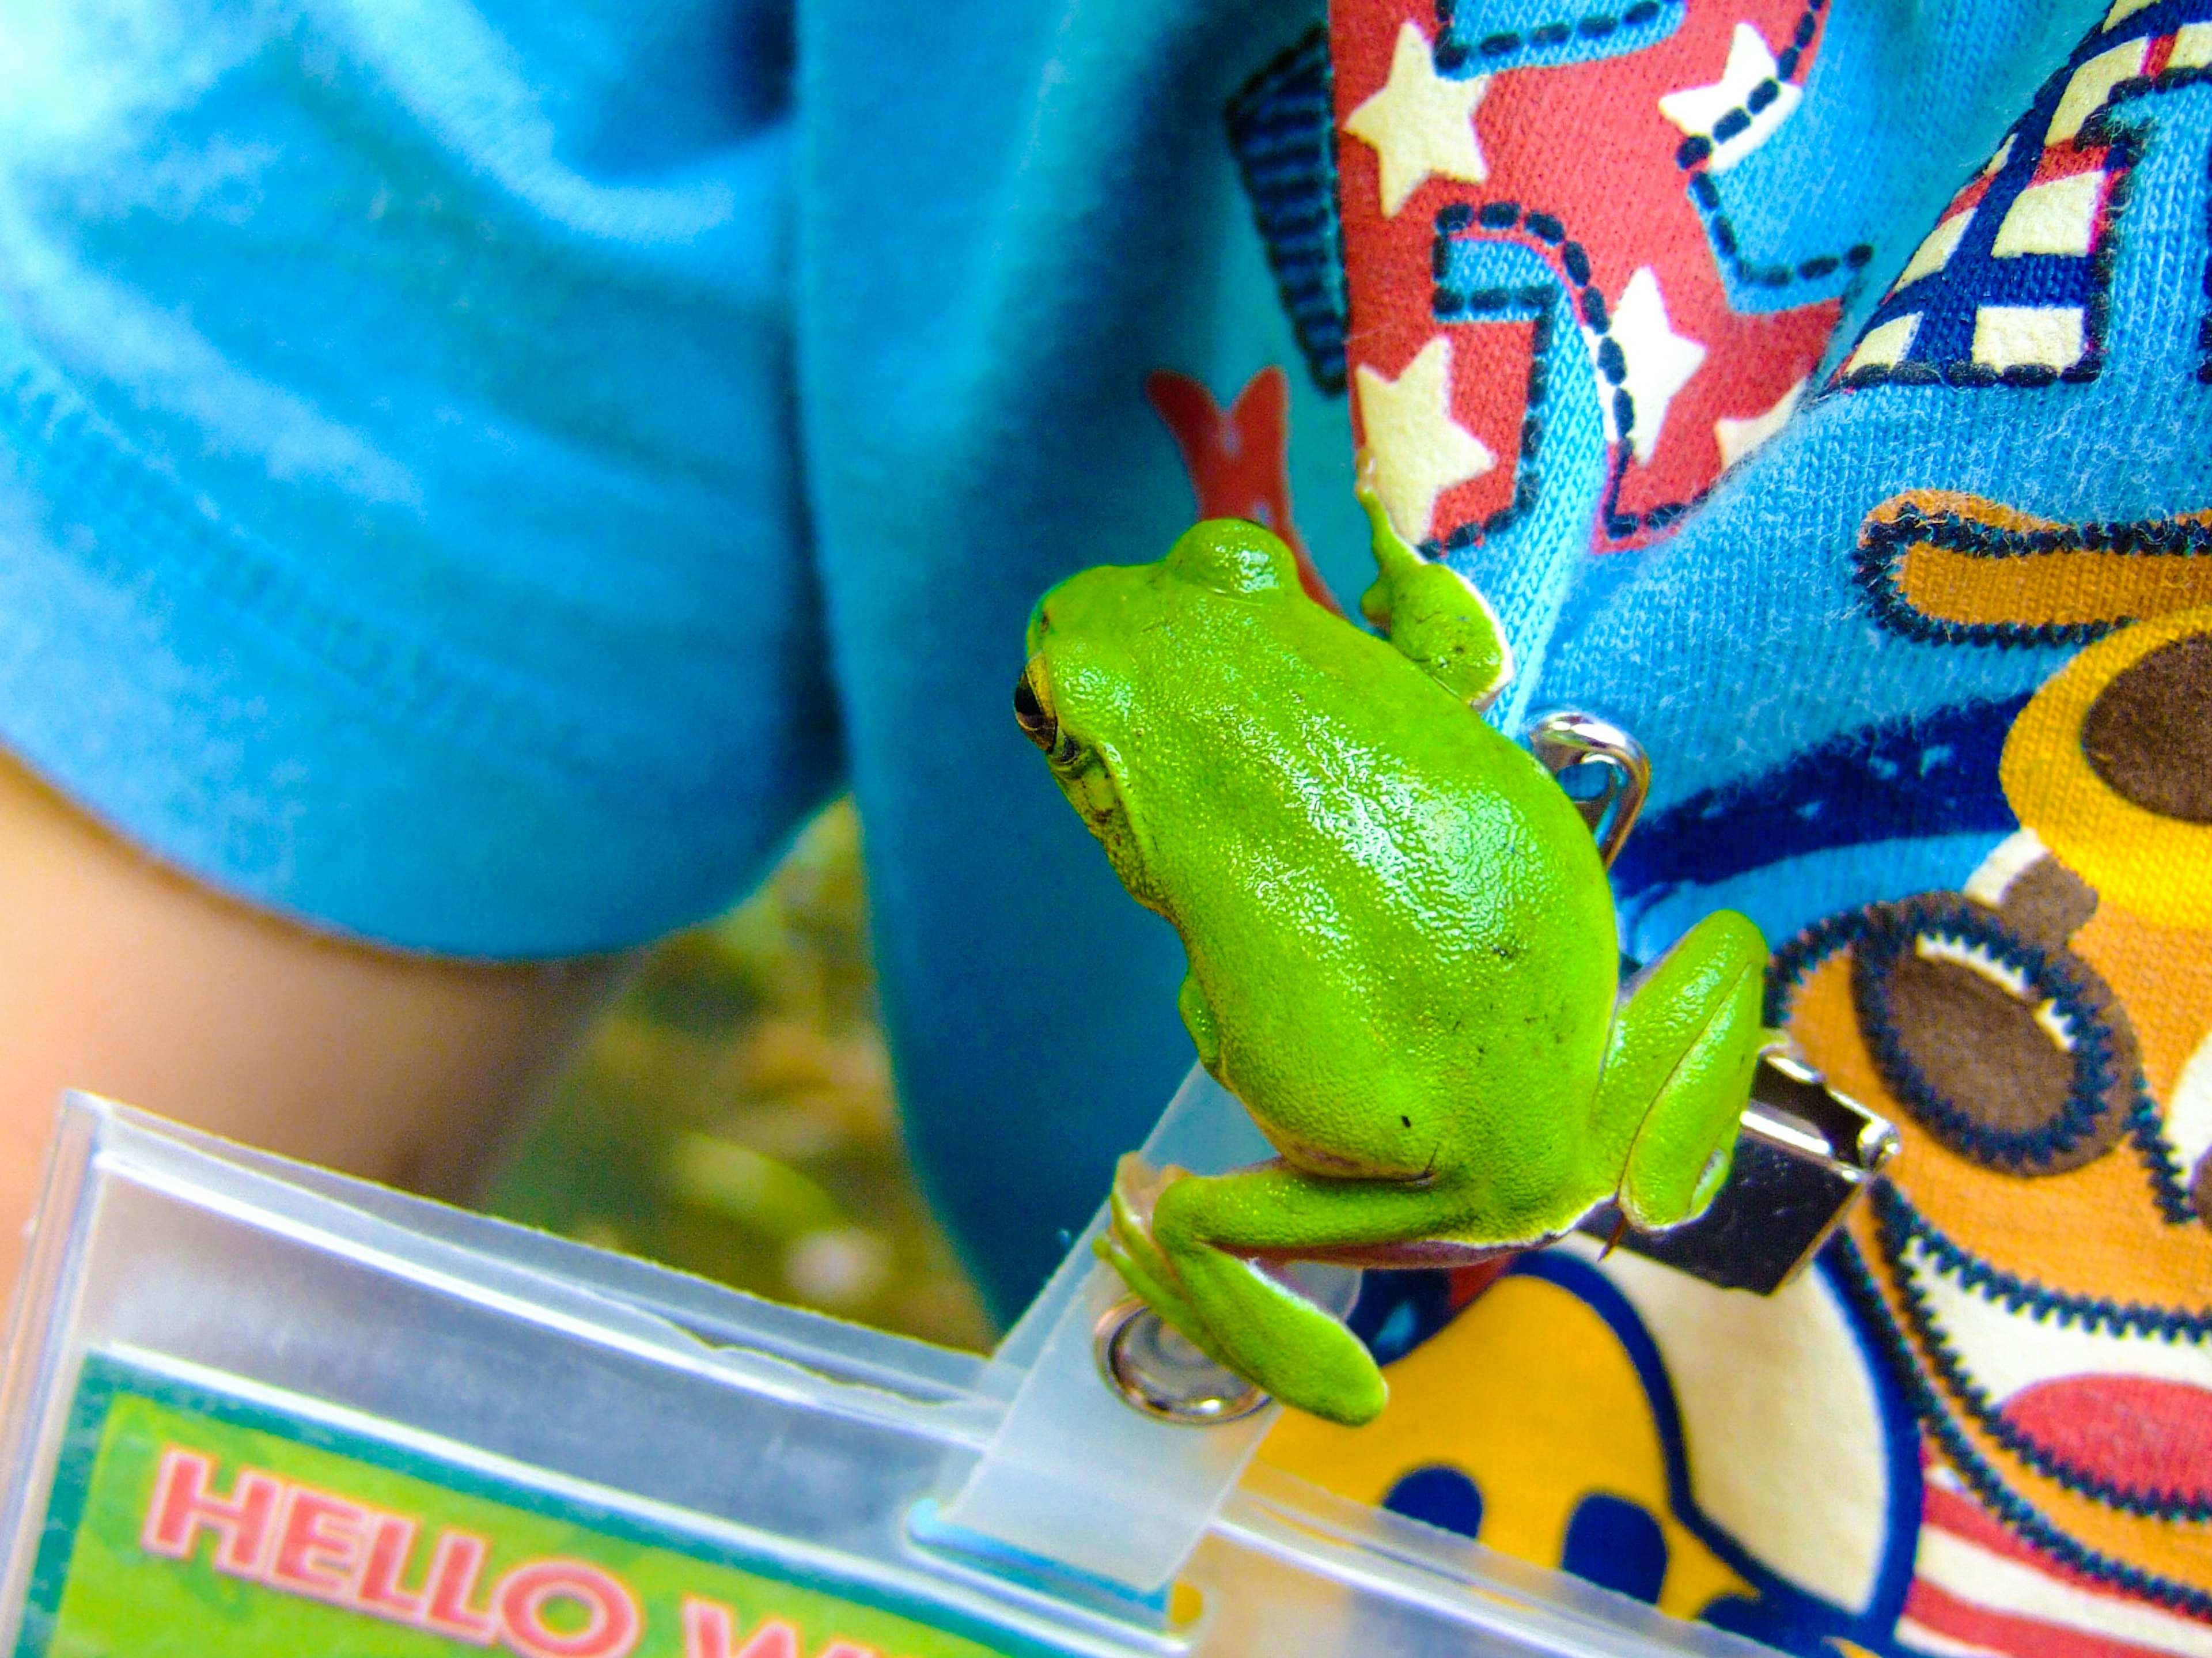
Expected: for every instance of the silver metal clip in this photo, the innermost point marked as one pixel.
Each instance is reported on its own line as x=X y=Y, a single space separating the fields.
x=1147 y=1361
x=1603 y=769
x=1806 y=1154
x=1806 y=1151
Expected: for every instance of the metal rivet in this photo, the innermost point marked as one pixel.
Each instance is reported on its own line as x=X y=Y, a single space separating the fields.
x=1161 y=1374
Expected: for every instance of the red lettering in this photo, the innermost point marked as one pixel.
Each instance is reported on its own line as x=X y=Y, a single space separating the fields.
x=390 y=1546
x=319 y=1545
x=611 y=1619
x=772 y=1639
x=183 y=1504
x=706 y=1629
x=454 y=1569
x=710 y=1631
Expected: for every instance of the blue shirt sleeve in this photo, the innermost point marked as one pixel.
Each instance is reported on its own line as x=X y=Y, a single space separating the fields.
x=400 y=519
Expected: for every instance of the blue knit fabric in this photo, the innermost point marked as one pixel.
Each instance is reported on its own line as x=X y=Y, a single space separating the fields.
x=403 y=519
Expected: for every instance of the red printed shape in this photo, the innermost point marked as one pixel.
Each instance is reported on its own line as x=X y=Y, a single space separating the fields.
x=710 y=1631
x=1584 y=153
x=1989 y=1629
x=772 y=1639
x=319 y=1544
x=184 y=1504
x=391 y=1543
x=2148 y=1437
x=455 y=1568
x=1239 y=459
x=611 y=1621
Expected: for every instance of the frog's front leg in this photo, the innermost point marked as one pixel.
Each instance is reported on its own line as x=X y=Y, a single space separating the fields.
x=1194 y=1259
x=1430 y=611
x=1686 y=1038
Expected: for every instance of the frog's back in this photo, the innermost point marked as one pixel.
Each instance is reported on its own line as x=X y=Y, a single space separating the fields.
x=1395 y=914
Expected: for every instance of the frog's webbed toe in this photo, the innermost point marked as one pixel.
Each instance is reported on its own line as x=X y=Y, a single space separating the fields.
x=1432 y=614
x=1129 y=1248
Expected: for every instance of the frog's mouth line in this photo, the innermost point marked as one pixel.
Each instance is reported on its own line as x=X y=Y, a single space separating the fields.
x=1418 y=1253
x=2112 y=1399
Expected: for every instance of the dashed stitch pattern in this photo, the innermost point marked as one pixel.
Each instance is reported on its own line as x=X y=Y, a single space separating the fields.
x=1884 y=542
x=1282 y=132
x=1453 y=305
x=1940 y=309
x=2167 y=1186
x=1792 y=964
x=2105 y=1081
x=1641 y=24
x=1696 y=149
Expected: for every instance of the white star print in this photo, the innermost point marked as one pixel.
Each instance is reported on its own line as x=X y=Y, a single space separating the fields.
x=1696 y=110
x=1659 y=361
x=1738 y=438
x=1420 y=450
x=1420 y=124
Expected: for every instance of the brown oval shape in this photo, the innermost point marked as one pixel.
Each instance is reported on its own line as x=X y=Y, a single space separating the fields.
x=2148 y=735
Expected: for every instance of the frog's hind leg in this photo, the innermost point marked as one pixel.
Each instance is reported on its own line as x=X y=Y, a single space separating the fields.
x=1210 y=1234
x=1685 y=1042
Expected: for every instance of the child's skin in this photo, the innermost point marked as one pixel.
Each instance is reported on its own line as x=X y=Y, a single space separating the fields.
x=121 y=976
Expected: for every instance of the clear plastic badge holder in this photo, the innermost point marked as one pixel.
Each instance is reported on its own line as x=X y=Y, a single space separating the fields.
x=386 y=1345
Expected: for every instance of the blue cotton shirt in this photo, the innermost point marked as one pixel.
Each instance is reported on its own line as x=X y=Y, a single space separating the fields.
x=473 y=477
x=405 y=525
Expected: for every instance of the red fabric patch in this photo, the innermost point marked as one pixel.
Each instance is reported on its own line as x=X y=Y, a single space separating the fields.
x=2145 y=1436
x=1239 y=459
x=1587 y=144
x=2005 y=1632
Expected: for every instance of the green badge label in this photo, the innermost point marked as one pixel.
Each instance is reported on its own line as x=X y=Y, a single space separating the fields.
x=188 y=1519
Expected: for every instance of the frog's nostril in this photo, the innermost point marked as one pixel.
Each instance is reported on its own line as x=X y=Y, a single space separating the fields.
x=1037 y=724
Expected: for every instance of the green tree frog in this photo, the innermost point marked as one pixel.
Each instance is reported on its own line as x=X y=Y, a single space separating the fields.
x=1402 y=956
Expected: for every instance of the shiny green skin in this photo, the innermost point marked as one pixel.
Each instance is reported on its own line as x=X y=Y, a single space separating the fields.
x=1400 y=939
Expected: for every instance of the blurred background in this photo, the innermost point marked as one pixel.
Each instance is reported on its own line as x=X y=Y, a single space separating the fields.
x=733 y=1116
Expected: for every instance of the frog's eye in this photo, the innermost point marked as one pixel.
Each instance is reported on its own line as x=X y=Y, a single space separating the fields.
x=1036 y=720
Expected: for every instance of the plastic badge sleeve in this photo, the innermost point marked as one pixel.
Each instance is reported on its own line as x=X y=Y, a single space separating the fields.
x=251 y=1408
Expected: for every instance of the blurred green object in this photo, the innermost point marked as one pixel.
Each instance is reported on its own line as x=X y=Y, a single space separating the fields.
x=732 y=1116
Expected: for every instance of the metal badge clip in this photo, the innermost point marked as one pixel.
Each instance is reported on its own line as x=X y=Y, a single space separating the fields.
x=1603 y=769
x=1806 y=1154
x=1806 y=1151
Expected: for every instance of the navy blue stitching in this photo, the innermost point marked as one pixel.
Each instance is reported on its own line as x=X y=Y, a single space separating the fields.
x=2148 y=1130
x=2125 y=149
x=1721 y=231
x=1696 y=149
x=2093 y=1315
x=1994 y=1495
x=2100 y=1095
x=1450 y=55
x=2096 y=311
x=1281 y=130
x=1884 y=542
x=1794 y=962
x=1898 y=1223
x=1451 y=304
